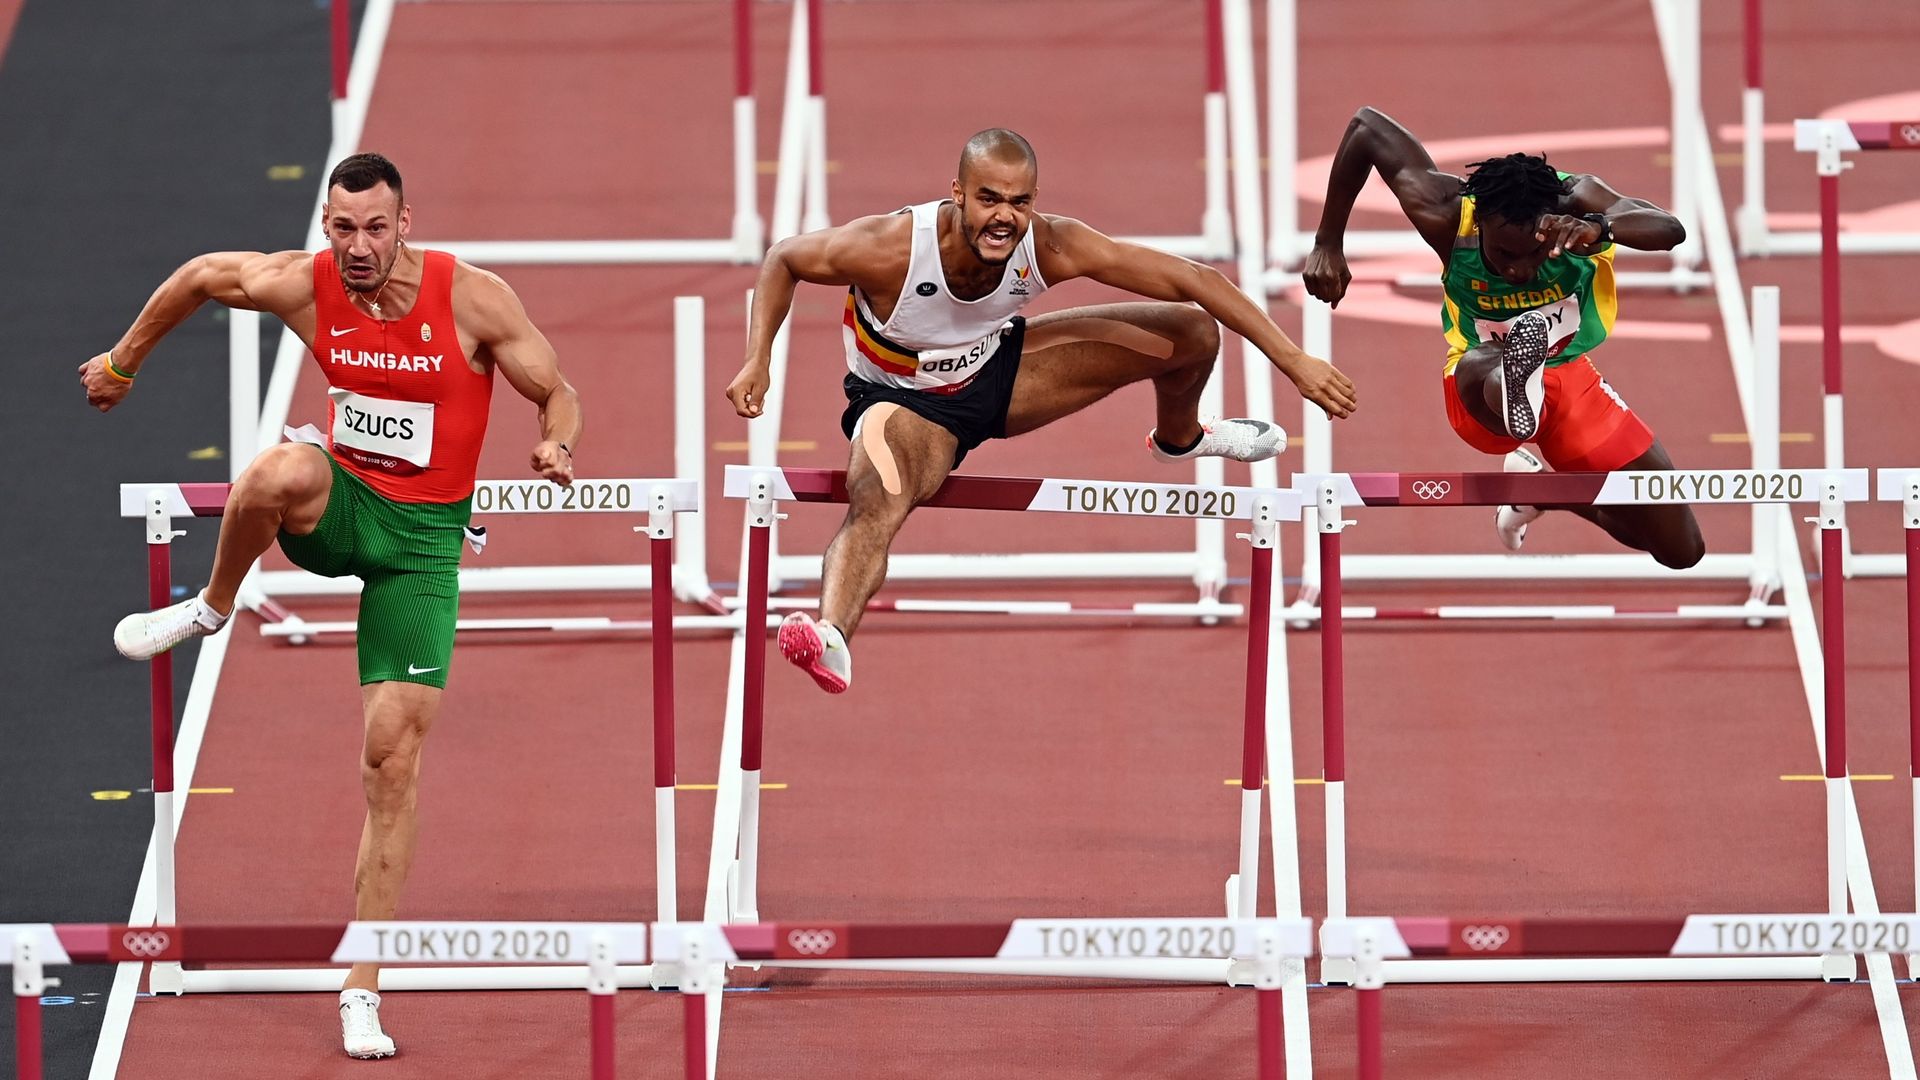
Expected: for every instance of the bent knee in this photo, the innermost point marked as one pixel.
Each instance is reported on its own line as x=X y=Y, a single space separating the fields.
x=286 y=474
x=1684 y=553
x=1196 y=335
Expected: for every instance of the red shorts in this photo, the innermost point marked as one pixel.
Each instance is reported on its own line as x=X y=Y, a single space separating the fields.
x=1584 y=426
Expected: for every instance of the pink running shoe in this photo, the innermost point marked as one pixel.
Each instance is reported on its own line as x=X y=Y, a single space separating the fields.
x=819 y=650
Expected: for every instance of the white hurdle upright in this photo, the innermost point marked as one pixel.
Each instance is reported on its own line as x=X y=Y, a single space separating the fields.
x=1829 y=141
x=765 y=489
x=157 y=505
x=1759 y=567
x=266 y=589
x=1331 y=493
x=744 y=245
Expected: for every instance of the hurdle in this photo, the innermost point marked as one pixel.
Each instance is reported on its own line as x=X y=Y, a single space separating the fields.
x=157 y=505
x=1332 y=493
x=1757 y=237
x=1287 y=244
x=765 y=489
x=687 y=580
x=589 y=956
x=1760 y=567
x=1829 y=141
x=1373 y=943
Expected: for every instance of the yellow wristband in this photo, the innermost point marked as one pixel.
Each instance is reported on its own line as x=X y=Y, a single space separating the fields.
x=123 y=376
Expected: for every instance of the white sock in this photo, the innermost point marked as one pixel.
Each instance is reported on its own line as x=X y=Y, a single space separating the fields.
x=831 y=635
x=208 y=617
x=359 y=995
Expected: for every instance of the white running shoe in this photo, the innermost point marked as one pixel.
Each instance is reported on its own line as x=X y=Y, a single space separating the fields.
x=360 y=1032
x=145 y=635
x=1511 y=521
x=1523 y=358
x=1241 y=440
x=819 y=650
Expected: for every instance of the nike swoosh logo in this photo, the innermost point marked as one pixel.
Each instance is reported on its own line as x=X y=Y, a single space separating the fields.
x=411 y=670
x=337 y=332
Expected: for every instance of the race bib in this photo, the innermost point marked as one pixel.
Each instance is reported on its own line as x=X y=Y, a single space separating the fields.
x=960 y=363
x=399 y=431
x=1563 y=322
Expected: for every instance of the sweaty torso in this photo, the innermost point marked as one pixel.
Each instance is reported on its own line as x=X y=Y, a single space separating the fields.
x=932 y=334
x=406 y=405
x=1575 y=292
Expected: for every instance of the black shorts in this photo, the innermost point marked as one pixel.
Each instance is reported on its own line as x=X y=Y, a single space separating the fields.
x=974 y=414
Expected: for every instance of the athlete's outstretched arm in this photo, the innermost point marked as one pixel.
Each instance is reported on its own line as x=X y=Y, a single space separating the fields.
x=856 y=253
x=488 y=307
x=1072 y=249
x=280 y=283
x=1634 y=223
x=1375 y=142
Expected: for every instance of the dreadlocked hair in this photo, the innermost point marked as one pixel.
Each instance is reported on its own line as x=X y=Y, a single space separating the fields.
x=1517 y=187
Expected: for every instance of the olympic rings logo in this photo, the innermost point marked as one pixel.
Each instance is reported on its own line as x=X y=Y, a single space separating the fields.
x=1484 y=938
x=146 y=943
x=1431 y=489
x=812 y=942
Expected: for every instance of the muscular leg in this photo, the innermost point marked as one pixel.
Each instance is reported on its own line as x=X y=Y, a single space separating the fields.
x=856 y=560
x=1476 y=381
x=1075 y=357
x=398 y=715
x=1669 y=533
x=285 y=488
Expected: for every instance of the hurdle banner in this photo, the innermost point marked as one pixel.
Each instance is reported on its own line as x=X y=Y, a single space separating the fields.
x=734 y=873
x=1378 y=947
x=659 y=499
x=1332 y=493
x=1828 y=141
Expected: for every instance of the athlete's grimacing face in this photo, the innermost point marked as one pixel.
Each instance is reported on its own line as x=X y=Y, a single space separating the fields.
x=365 y=229
x=996 y=206
x=1512 y=250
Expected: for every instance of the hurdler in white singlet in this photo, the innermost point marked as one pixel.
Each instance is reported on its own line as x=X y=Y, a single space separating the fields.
x=935 y=341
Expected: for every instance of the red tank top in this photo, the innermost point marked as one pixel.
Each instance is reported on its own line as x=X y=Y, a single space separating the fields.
x=404 y=411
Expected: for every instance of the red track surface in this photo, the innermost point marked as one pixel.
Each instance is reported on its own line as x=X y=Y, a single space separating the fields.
x=986 y=770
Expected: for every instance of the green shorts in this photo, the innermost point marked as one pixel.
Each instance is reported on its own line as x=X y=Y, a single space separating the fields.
x=407 y=555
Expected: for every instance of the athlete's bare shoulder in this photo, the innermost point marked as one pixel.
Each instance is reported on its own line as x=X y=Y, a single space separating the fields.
x=277 y=282
x=484 y=304
x=1063 y=245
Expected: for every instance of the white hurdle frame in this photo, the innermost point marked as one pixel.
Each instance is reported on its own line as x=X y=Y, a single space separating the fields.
x=1287 y=244
x=743 y=246
x=1332 y=493
x=734 y=872
x=1213 y=242
x=1757 y=237
x=689 y=572
x=1759 y=567
x=159 y=504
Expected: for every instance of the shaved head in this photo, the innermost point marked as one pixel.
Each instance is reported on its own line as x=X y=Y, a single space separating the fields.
x=998 y=145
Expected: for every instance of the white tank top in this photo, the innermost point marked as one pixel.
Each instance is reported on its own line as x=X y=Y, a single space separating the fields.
x=935 y=341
